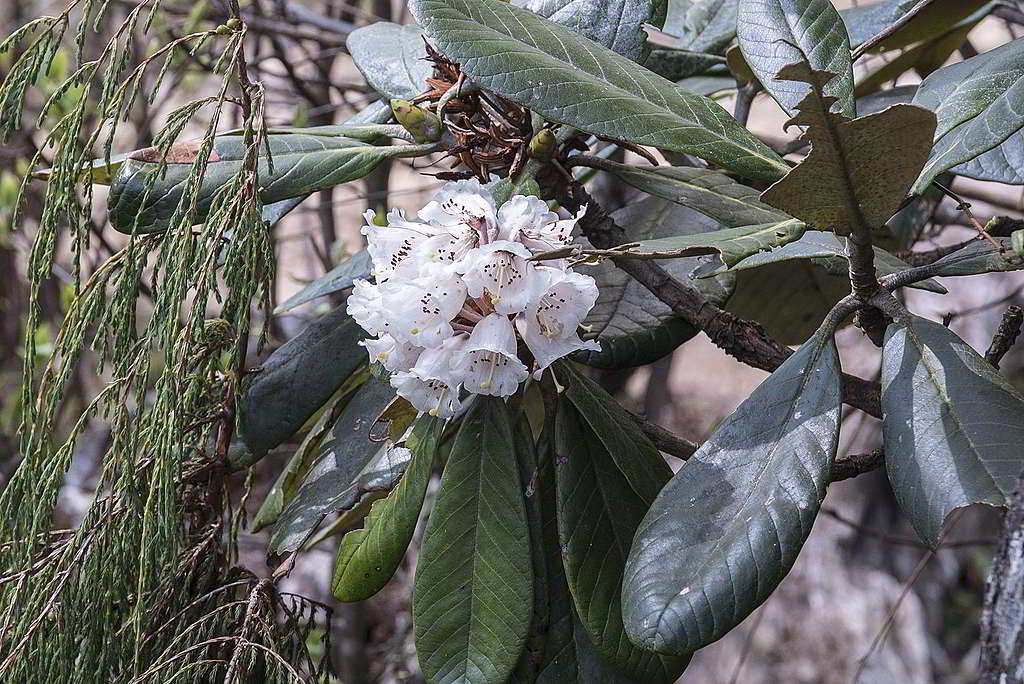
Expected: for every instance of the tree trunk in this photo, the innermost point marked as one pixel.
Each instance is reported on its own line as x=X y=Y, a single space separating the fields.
x=1002 y=622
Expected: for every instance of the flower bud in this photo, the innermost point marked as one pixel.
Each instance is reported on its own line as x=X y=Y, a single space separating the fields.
x=542 y=145
x=1017 y=242
x=424 y=125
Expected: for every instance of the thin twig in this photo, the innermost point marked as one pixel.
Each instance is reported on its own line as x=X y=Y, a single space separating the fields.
x=965 y=207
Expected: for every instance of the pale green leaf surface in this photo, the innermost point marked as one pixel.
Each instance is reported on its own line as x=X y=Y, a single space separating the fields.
x=615 y=24
x=978 y=103
x=952 y=425
x=980 y=257
x=728 y=527
x=391 y=58
x=368 y=557
x=731 y=244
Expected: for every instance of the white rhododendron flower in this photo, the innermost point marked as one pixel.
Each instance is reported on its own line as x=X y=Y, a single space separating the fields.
x=458 y=304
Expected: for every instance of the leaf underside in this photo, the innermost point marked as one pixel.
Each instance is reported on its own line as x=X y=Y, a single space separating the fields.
x=844 y=184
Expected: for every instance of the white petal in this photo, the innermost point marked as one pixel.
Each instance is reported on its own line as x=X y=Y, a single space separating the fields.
x=365 y=307
x=421 y=307
x=501 y=271
x=394 y=355
x=391 y=245
x=430 y=385
x=552 y=235
x=493 y=333
x=547 y=350
x=523 y=215
x=460 y=202
x=565 y=300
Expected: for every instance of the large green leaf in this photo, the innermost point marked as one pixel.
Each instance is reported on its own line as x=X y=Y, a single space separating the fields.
x=473 y=594
x=844 y=184
x=298 y=378
x=790 y=299
x=637 y=459
x=775 y=33
x=571 y=80
x=144 y=196
x=337 y=279
x=830 y=253
x=978 y=102
x=979 y=257
x=731 y=244
x=367 y=558
x=615 y=24
x=598 y=512
x=348 y=465
x=561 y=652
x=728 y=527
x=710 y=192
x=391 y=58
x=1001 y=164
x=953 y=426
x=676 y=65
x=632 y=325
x=865 y=21
x=702 y=25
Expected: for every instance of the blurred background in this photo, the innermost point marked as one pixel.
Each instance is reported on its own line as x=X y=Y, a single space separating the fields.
x=866 y=602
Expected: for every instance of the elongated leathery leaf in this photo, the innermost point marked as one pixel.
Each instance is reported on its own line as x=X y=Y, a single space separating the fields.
x=728 y=527
x=979 y=257
x=572 y=80
x=702 y=25
x=343 y=471
x=567 y=655
x=979 y=103
x=302 y=163
x=865 y=21
x=391 y=58
x=598 y=512
x=821 y=246
x=731 y=244
x=953 y=426
x=774 y=33
x=615 y=24
x=337 y=279
x=711 y=193
x=844 y=184
x=632 y=325
x=367 y=558
x=297 y=378
x=630 y=449
x=473 y=594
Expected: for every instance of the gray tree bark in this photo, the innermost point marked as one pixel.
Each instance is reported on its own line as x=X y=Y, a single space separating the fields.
x=1002 y=622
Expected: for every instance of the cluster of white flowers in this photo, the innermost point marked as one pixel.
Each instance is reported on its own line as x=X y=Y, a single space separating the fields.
x=456 y=290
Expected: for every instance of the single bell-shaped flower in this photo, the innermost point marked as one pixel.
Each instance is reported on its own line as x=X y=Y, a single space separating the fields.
x=488 y=363
x=549 y=325
x=501 y=273
x=430 y=385
x=394 y=355
x=420 y=302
